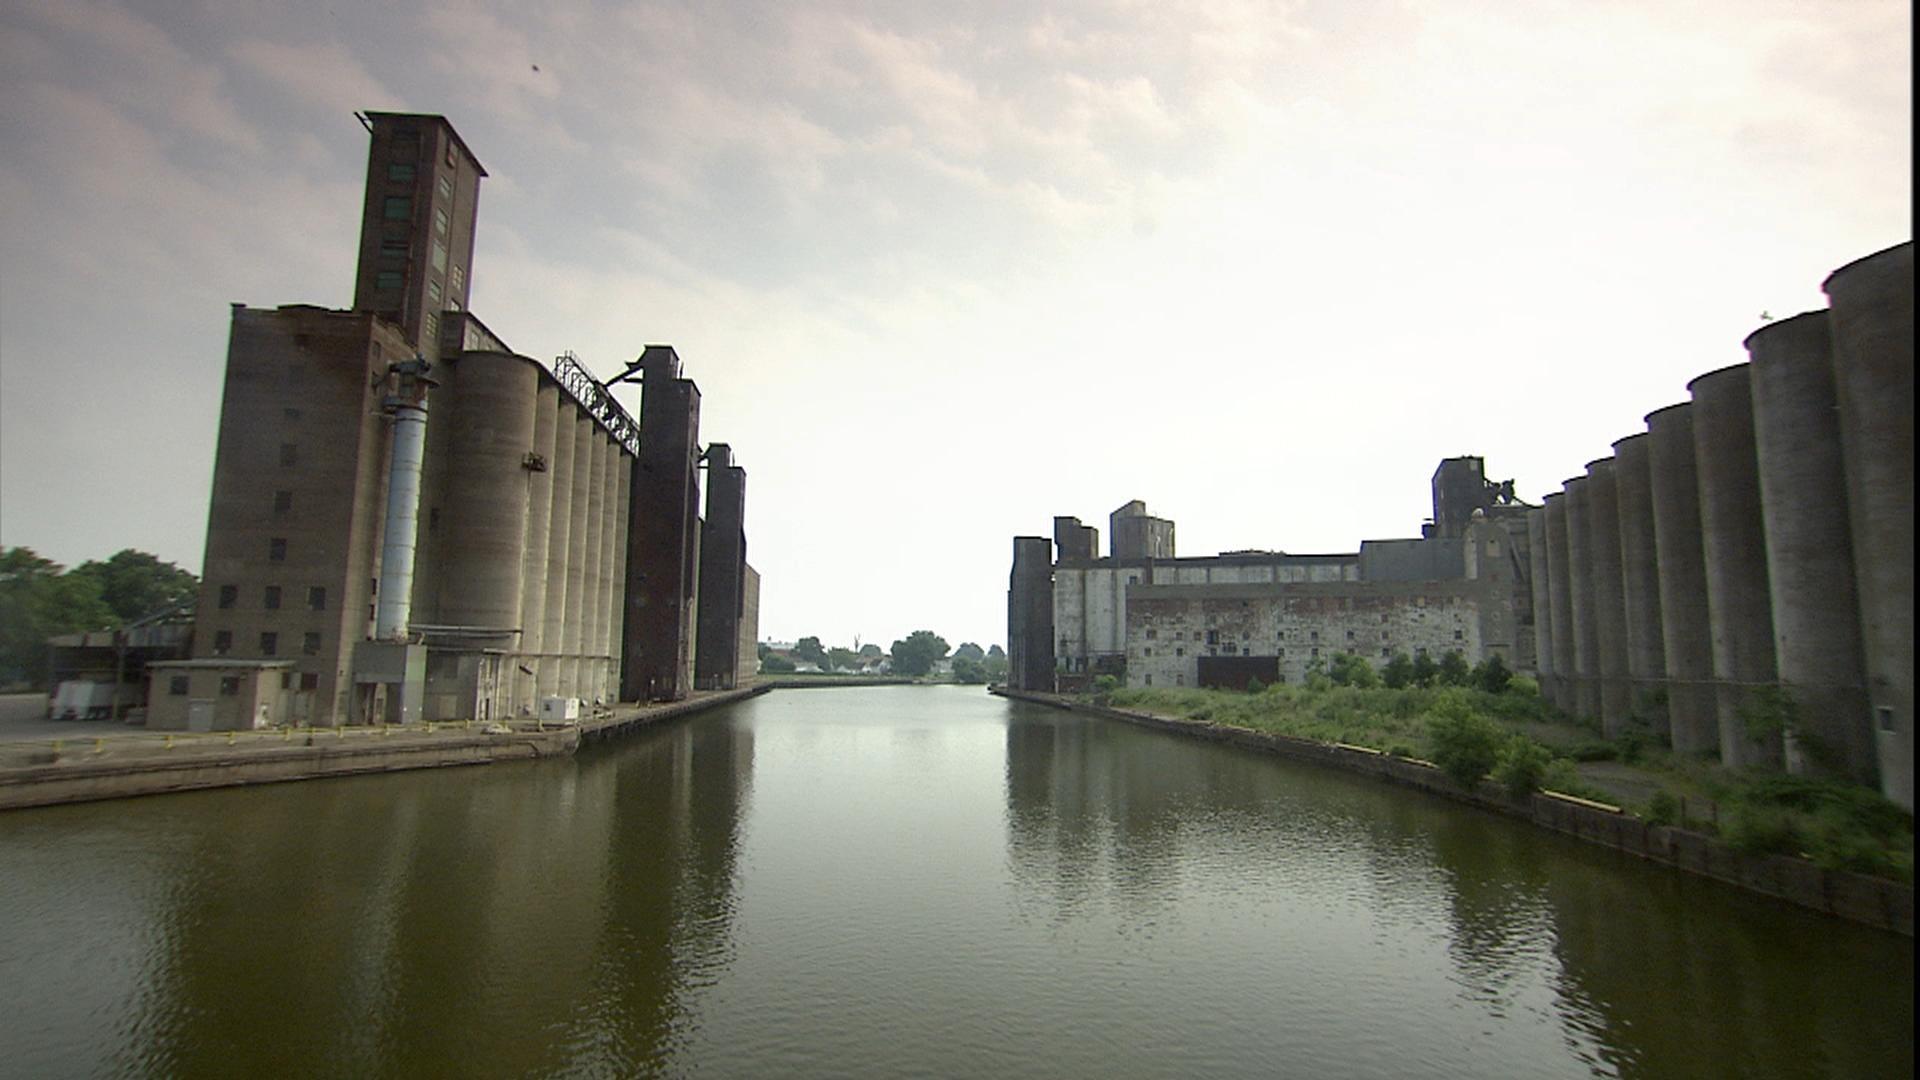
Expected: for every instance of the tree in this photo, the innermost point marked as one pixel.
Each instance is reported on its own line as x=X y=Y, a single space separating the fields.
x=38 y=601
x=842 y=659
x=968 y=671
x=764 y=650
x=1465 y=744
x=1348 y=669
x=871 y=651
x=996 y=665
x=810 y=649
x=776 y=664
x=1424 y=670
x=135 y=584
x=1398 y=672
x=1454 y=670
x=916 y=654
x=1492 y=674
x=968 y=651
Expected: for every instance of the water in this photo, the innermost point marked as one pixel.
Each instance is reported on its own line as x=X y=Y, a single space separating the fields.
x=902 y=881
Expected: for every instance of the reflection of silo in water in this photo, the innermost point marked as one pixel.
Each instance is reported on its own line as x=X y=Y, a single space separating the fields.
x=1686 y=635
x=1560 y=598
x=1542 y=600
x=1640 y=580
x=1873 y=369
x=1586 y=617
x=1816 y=613
x=1734 y=543
x=1609 y=596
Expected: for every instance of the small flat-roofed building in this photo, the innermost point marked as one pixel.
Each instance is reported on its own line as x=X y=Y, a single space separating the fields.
x=218 y=694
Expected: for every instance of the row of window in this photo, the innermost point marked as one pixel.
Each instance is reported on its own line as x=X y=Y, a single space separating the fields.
x=271 y=597
x=269 y=643
x=230 y=684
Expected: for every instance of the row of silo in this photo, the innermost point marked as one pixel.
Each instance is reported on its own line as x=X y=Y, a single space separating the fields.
x=1739 y=577
x=528 y=571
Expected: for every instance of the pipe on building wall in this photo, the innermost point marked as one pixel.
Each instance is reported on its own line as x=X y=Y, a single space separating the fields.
x=1873 y=350
x=553 y=675
x=1586 y=616
x=402 y=520
x=1559 y=599
x=1609 y=598
x=1640 y=581
x=1686 y=632
x=1733 y=540
x=1816 y=609
x=1542 y=604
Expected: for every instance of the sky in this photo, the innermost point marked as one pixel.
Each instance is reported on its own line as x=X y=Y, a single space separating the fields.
x=945 y=270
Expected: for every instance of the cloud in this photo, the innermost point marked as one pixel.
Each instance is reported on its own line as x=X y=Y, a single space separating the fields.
x=321 y=76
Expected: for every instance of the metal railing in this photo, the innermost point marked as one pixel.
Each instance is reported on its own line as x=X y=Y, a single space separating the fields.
x=597 y=400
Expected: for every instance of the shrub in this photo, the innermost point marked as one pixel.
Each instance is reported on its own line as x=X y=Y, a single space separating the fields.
x=1491 y=674
x=1104 y=685
x=1594 y=751
x=1453 y=669
x=1465 y=744
x=1422 y=671
x=1254 y=685
x=1522 y=766
x=1663 y=809
x=1350 y=670
x=1523 y=686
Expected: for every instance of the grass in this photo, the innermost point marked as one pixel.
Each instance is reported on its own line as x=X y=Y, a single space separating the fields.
x=1837 y=825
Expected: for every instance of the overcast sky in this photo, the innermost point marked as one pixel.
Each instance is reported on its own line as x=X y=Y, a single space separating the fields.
x=944 y=270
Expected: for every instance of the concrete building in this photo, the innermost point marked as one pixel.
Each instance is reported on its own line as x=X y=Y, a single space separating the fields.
x=411 y=521
x=1476 y=570
x=1765 y=541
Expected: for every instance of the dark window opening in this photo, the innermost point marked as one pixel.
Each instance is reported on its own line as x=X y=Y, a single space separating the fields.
x=282 y=501
x=398 y=208
x=269 y=643
x=400 y=170
x=229 y=595
x=310 y=644
x=309 y=680
x=317 y=597
x=277 y=549
x=289 y=454
x=222 y=642
x=177 y=686
x=388 y=279
x=229 y=685
x=273 y=598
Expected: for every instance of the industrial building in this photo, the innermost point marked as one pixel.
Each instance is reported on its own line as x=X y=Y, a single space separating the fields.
x=411 y=521
x=1739 y=576
x=1153 y=618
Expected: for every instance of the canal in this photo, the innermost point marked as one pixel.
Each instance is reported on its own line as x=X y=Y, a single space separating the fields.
x=899 y=881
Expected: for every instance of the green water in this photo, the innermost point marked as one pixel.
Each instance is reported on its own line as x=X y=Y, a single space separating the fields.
x=900 y=881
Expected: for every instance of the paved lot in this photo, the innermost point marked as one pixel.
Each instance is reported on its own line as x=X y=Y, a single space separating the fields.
x=23 y=718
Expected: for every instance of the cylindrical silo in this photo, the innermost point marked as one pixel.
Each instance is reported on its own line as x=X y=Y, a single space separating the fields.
x=616 y=595
x=534 y=571
x=593 y=578
x=485 y=514
x=610 y=584
x=1872 y=318
x=1816 y=609
x=1609 y=598
x=1640 y=578
x=1734 y=543
x=1686 y=637
x=553 y=681
x=1542 y=602
x=1586 y=616
x=582 y=508
x=1559 y=599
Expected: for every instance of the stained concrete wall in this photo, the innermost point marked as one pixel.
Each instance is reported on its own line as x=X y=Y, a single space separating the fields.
x=1030 y=661
x=1816 y=623
x=1586 y=614
x=1733 y=540
x=1560 y=598
x=1609 y=596
x=1640 y=580
x=1542 y=600
x=1873 y=351
x=1687 y=632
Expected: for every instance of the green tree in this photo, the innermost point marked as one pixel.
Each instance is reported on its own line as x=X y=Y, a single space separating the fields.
x=1465 y=744
x=871 y=651
x=1492 y=674
x=810 y=649
x=1454 y=670
x=996 y=665
x=842 y=659
x=1398 y=672
x=995 y=652
x=915 y=655
x=135 y=584
x=969 y=671
x=774 y=663
x=969 y=651
x=764 y=649
x=1350 y=670
x=38 y=601
x=1423 y=670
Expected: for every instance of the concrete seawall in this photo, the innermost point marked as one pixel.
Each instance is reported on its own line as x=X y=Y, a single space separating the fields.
x=1858 y=898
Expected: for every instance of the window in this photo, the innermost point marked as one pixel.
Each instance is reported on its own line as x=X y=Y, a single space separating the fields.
x=229 y=685
x=269 y=643
x=309 y=680
x=1313 y=635
x=1149 y=680
x=1244 y=651
x=310 y=643
x=229 y=595
x=1383 y=636
x=1150 y=635
x=456 y=278
x=433 y=292
x=1386 y=654
x=1177 y=651
x=289 y=455
x=1885 y=715
x=1313 y=652
x=398 y=208
x=388 y=279
x=400 y=171
x=277 y=549
x=1459 y=635
x=394 y=249
x=282 y=501
x=273 y=598
x=1148 y=651
x=317 y=597
x=446 y=186
x=177 y=686
x=439 y=220
x=290 y=413
x=1349 y=635
x=439 y=255
x=433 y=324
x=1283 y=651
x=1180 y=680
x=1213 y=637
x=222 y=642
